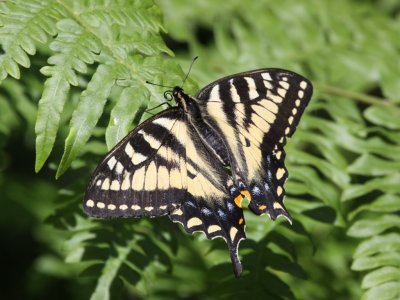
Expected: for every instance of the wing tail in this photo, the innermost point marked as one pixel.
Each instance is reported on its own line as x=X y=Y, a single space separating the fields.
x=214 y=219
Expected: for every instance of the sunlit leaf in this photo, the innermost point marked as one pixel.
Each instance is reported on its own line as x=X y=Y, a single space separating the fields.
x=387 y=291
x=389 y=118
x=379 y=260
x=381 y=243
x=382 y=275
x=373 y=225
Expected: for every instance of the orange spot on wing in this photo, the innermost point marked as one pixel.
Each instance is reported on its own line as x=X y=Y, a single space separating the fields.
x=262 y=207
x=246 y=194
x=238 y=200
x=241 y=221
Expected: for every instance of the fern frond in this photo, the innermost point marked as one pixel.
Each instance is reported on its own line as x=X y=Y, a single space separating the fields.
x=95 y=32
x=23 y=25
x=377 y=255
x=343 y=157
x=87 y=113
x=110 y=270
x=377 y=221
x=125 y=112
x=74 y=48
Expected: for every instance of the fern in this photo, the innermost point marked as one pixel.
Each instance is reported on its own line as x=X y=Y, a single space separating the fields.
x=98 y=47
x=23 y=27
x=377 y=222
x=102 y=33
x=340 y=142
x=94 y=59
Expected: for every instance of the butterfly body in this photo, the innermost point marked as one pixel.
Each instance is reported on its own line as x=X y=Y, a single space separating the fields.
x=196 y=162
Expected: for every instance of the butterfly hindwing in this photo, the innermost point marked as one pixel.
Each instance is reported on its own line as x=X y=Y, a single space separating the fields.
x=209 y=206
x=255 y=112
x=145 y=174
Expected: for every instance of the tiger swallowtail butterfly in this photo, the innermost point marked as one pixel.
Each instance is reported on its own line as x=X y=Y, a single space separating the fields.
x=195 y=162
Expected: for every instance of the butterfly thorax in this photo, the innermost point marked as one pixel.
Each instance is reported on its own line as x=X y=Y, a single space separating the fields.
x=211 y=139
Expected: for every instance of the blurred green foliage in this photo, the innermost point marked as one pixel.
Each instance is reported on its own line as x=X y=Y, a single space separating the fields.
x=73 y=76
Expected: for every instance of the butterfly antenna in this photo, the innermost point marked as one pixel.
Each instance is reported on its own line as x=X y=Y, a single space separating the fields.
x=168 y=95
x=190 y=68
x=161 y=104
x=156 y=84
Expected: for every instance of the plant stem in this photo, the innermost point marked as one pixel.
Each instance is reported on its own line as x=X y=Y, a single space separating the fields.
x=354 y=95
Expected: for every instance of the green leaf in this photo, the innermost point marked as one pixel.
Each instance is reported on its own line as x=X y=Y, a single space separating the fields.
x=10 y=66
x=87 y=114
x=386 y=203
x=21 y=28
x=312 y=184
x=49 y=113
x=327 y=148
x=373 y=166
x=390 y=78
x=380 y=276
x=379 y=260
x=389 y=118
x=331 y=171
x=387 y=291
x=387 y=184
x=374 y=225
x=381 y=243
x=75 y=246
x=386 y=150
x=324 y=214
x=109 y=272
x=20 y=57
x=131 y=105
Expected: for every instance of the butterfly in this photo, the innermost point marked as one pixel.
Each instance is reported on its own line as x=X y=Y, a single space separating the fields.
x=198 y=160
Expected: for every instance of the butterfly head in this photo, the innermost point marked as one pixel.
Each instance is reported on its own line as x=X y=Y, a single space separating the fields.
x=177 y=92
x=180 y=97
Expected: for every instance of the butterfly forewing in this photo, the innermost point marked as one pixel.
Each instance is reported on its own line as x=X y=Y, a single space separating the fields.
x=145 y=173
x=254 y=112
x=163 y=167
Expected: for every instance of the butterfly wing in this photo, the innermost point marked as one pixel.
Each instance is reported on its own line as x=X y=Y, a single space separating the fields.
x=145 y=174
x=255 y=112
x=162 y=167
